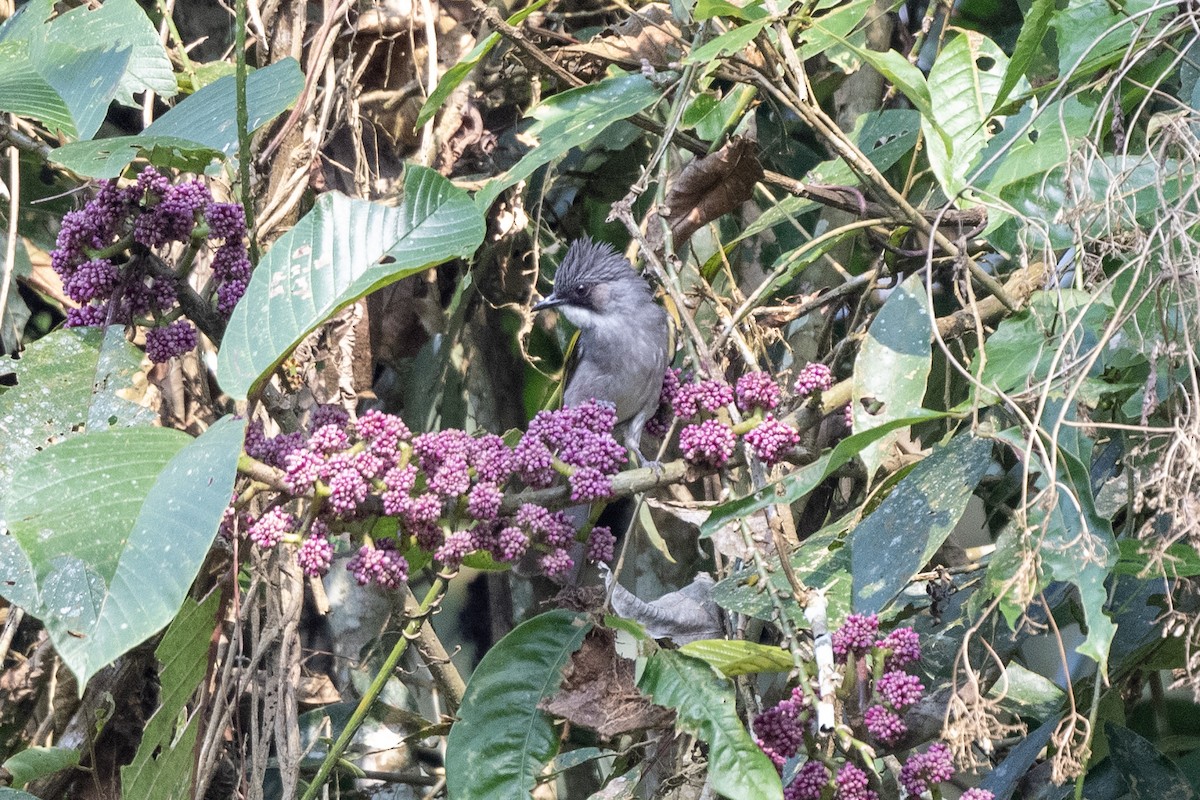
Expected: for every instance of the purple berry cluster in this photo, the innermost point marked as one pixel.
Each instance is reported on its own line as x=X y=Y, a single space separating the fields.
x=660 y=423
x=710 y=442
x=813 y=378
x=757 y=390
x=97 y=257
x=446 y=490
x=780 y=731
x=924 y=771
x=810 y=781
x=896 y=690
x=772 y=440
x=579 y=437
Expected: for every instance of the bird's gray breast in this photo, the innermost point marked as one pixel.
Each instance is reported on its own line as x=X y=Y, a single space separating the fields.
x=622 y=363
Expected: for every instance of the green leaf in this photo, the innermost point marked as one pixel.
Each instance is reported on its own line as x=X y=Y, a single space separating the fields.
x=33 y=763
x=903 y=75
x=209 y=117
x=893 y=365
x=705 y=708
x=1092 y=35
x=739 y=657
x=832 y=27
x=108 y=158
x=1148 y=773
x=502 y=741
x=707 y=9
x=1025 y=346
x=893 y=543
x=820 y=562
x=120 y=25
x=570 y=119
x=1179 y=561
x=69 y=378
x=1029 y=44
x=65 y=88
x=963 y=85
x=162 y=767
x=455 y=75
x=799 y=483
x=732 y=41
x=140 y=498
x=1034 y=141
x=1027 y=694
x=884 y=137
x=1079 y=546
x=338 y=252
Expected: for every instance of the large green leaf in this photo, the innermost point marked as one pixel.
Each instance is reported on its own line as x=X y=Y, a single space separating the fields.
x=209 y=117
x=68 y=379
x=963 y=86
x=162 y=767
x=34 y=763
x=898 y=538
x=836 y=23
x=502 y=741
x=1079 y=546
x=117 y=24
x=705 y=707
x=1033 y=142
x=735 y=657
x=570 y=119
x=1027 y=345
x=108 y=158
x=1146 y=771
x=799 y=483
x=822 y=561
x=1093 y=35
x=893 y=365
x=338 y=252
x=98 y=516
x=65 y=88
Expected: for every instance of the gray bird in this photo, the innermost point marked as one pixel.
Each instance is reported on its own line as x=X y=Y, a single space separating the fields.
x=621 y=354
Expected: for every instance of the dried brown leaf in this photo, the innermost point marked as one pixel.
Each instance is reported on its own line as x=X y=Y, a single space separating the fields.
x=711 y=186
x=598 y=691
x=650 y=35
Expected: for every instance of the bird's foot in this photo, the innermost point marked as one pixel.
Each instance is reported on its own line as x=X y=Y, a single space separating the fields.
x=654 y=465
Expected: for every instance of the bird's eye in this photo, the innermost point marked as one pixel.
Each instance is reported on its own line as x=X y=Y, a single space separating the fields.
x=582 y=289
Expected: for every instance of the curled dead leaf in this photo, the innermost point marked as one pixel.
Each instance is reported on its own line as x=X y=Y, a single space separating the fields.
x=683 y=616
x=711 y=186
x=649 y=35
x=598 y=691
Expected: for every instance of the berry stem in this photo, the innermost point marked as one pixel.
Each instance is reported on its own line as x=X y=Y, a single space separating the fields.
x=431 y=600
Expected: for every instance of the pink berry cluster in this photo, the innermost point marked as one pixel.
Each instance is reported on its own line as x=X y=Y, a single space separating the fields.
x=781 y=729
x=445 y=489
x=813 y=378
x=708 y=440
x=579 y=438
x=100 y=255
x=894 y=690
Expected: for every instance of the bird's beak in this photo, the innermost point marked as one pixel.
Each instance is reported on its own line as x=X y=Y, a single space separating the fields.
x=550 y=301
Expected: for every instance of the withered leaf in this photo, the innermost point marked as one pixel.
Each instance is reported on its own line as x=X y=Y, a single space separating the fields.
x=650 y=35
x=598 y=691
x=711 y=186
